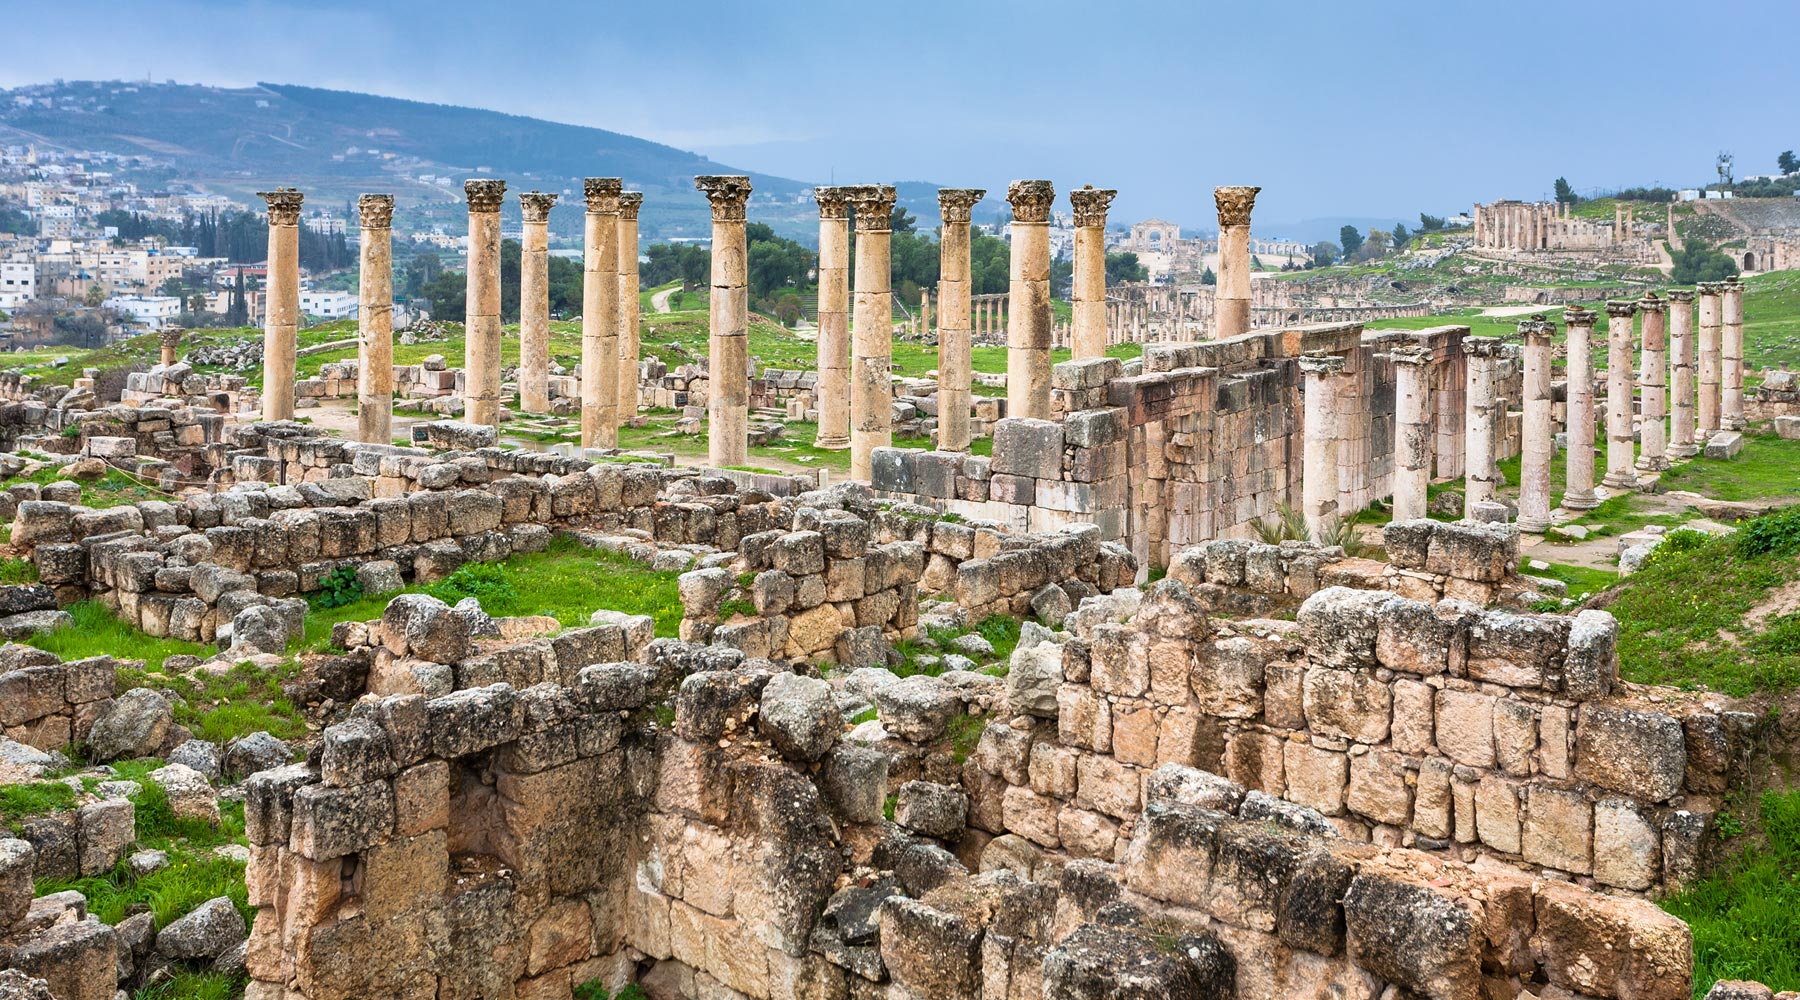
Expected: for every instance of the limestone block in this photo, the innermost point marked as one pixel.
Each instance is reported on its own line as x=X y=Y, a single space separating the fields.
x=1378 y=788
x=1611 y=946
x=1559 y=830
x=1416 y=937
x=1316 y=778
x=1465 y=727
x=1628 y=849
x=1106 y=785
x=1083 y=719
x=1639 y=752
x=331 y=822
x=1497 y=813
x=1348 y=704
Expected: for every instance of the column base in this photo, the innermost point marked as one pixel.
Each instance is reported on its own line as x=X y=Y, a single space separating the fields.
x=1580 y=501
x=1735 y=424
x=1649 y=463
x=1534 y=526
x=1619 y=482
x=1683 y=450
x=832 y=444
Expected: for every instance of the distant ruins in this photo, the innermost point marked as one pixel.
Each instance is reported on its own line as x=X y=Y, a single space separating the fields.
x=1273 y=771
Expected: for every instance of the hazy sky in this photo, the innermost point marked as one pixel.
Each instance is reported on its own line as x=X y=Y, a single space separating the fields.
x=1335 y=108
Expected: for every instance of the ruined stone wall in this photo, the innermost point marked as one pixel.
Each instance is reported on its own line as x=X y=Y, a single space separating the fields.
x=49 y=704
x=1402 y=722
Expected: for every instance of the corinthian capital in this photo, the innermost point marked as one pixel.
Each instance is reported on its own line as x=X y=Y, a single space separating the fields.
x=629 y=203
x=874 y=206
x=1651 y=303
x=834 y=202
x=727 y=192
x=1577 y=316
x=1090 y=205
x=1031 y=200
x=1683 y=295
x=1235 y=204
x=1482 y=347
x=284 y=206
x=1618 y=309
x=535 y=206
x=956 y=204
x=602 y=194
x=484 y=195
x=377 y=211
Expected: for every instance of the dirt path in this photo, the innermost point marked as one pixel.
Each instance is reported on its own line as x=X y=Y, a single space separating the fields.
x=659 y=301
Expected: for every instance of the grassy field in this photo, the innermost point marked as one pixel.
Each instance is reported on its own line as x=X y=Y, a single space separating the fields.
x=1743 y=912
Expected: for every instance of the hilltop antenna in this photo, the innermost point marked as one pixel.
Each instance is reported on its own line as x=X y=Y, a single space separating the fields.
x=1723 y=166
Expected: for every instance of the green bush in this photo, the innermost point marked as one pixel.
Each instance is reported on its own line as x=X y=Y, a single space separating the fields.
x=594 y=989
x=339 y=587
x=1776 y=534
x=489 y=583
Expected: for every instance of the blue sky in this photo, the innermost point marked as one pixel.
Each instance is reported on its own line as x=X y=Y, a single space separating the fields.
x=1354 y=109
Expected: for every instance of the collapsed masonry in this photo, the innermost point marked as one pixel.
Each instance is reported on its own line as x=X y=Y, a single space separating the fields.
x=1383 y=794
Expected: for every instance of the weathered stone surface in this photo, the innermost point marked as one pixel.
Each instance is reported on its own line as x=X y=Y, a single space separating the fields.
x=918 y=708
x=799 y=716
x=1640 y=752
x=1413 y=936
x=206 y=932
x=134 y=725
x=932 y=809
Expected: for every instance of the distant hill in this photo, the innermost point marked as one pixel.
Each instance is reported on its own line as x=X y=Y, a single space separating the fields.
x=335 y=144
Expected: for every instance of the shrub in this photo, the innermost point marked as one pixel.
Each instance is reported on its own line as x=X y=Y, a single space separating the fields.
x=489 y=583
x=1776 y=534
x=339 y=587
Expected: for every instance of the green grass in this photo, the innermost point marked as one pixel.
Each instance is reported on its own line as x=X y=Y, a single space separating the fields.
x=98 y=631
x=18 y=570
x=32 y=799
x=220 y=708
x=1743 y=915
x=1672 y=631
x=114 y=489
x=964 y=732
x=1581 y=580
x=1769 y=467
x=195 y=986
x=565 y=581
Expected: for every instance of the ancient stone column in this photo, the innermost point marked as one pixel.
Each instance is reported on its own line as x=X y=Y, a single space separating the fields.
x=1578 y=477
x=1028 y=301
x=625 y=404
x=1412 y=431
x=1538 y=441
x=1710 y=373
x=1731 y=355
x=1233 y=290
x=1319 y=460
x=955 y=367
x=1621 y=340
x=534 y=303
x=1088 y=296
x=1681 y=351
x=925 y=315
x=481 y=310
x=834 y=316
x=871 y=358
x=1481 y=476
x=282 y=303
x=600 y=315
x=375 y=322
x=1653 y=382
x=728 y=391
x=169 y=338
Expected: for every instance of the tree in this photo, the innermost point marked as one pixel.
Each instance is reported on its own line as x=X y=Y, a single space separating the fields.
x=1697 y=261
x=1207 y=277
x=96 y=294
x=1788 y=162
x=1565 y=195
x=902 y=221
x=1401 y=236
x=1124 y=266
x=1351 y=240
x=1430 y=223
x=1324 y=253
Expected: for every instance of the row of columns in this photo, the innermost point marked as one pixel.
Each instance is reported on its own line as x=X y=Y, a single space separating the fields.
x=1662 y=389
x=609 y=309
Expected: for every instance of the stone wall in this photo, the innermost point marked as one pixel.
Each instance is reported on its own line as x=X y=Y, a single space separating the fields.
x=1402 y=722
x=46 y=703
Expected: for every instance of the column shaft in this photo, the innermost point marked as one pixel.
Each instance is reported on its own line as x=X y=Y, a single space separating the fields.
x=1233 y=289
x=1731 y=354
x=1412 y=432
x=1088 y=296
x=282 y=303
x=1621 y=340
x=955 y=368
x=1539 y=431
x=534 y=302
x=481 y=310
x=1710 y=361
x=871 y=362
x=600 y=314
x=834 y=317
x=1319 y=466
x=1578 y=475
x=1481 y=476
x=1653 y=382
x=728 y=390
x=375 y=322
x=1028 y=301
x=625 y=402
x=1681 y=350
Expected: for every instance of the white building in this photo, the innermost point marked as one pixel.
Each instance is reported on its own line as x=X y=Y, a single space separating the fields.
x=147 y=310
x=328 y=305
x=18 y=283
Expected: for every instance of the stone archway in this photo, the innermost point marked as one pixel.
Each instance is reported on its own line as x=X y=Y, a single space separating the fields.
x=1750 y=260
